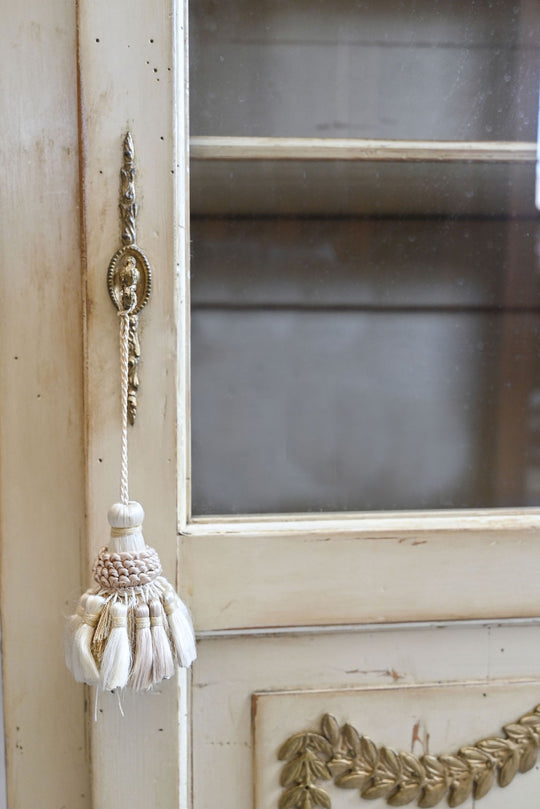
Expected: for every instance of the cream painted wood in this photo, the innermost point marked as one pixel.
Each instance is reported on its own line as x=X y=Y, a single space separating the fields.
x=256 y=573
x=230 y=670
x=128 y=81
x=42 y=432
x=432 y=719
x=335 y=575
x=304 y=575
x=229 y=148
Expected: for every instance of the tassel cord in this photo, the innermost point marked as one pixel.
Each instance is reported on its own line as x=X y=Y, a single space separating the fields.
x=124 y=315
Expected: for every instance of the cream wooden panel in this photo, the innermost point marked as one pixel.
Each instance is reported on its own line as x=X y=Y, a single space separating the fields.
x=128 y=80
x=238 y=148
x=334 y=575
x=229 y=670
x=435 y=720
x=41 y=433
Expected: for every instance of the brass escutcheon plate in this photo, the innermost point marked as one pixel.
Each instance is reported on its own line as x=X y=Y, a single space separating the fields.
x=144 y=283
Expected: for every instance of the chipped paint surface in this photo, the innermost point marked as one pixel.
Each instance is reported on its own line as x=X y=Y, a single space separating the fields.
x=42 y=437
x=125 y=85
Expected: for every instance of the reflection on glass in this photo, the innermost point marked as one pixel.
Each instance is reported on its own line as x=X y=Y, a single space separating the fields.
x=364 y=364
x=422 y=70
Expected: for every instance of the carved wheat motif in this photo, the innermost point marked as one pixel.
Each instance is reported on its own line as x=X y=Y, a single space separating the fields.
x=355 y=762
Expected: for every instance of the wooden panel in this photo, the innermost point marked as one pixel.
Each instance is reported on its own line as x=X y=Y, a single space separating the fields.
x=41 y=433
x=229 y=670
x=435 y=720
x=219 y=148
x=128 y=64
x=331 y=575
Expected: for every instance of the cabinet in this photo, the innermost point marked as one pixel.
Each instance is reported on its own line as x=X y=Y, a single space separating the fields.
x=316 y=589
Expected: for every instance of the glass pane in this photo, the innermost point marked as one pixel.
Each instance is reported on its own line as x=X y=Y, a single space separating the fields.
x=344 y=188
x=365 y=364
x=364 y=330
x=408 y=69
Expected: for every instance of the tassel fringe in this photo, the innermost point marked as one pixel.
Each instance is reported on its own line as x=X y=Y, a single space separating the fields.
x=131 y=639
x=72 y=625
x=84 y=666
x=131 y=628
x=181 y=629
x=116 y=661
x=163 y=662
x=141 y=673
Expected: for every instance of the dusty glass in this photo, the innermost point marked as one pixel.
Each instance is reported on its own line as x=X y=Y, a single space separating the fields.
x=365 y=331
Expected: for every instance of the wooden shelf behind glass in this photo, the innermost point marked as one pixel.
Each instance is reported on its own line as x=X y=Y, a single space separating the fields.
x=350 y=177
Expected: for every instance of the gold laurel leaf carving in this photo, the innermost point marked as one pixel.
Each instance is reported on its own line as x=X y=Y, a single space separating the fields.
x=352 y=739
x=516 y=732
x=405 y=794
x=291 y=772
x=320 y=770
x=412 y=768
x=291 y=798
x=390 y=763
x=460 y=789
x=435 y=769
x=380 y=788
x=528 y=757
x=509 y=769
x=432 y=795
x=352 y=780
x=317 y=742
x=320 y=798
x=295 y=744
x=531 y=721
x=369 y=752
x=484 y=783
x=354 y=761
x=330 y=728
x=338 y=766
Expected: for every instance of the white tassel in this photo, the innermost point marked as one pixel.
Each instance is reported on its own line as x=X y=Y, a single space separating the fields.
x=163 y=667
x=128 y=577
x=83 y=664
x=126 y=521
x=181 y=629
x=141 y=674
x=116 y=661
x=72 y=624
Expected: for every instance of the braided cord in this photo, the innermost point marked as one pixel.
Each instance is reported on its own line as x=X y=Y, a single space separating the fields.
x=124 y=377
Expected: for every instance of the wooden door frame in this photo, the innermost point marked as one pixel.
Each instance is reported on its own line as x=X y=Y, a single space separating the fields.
x=131 y=78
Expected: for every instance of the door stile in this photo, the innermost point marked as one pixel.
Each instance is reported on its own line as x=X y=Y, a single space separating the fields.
x=127 y=80
x=41 y=433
